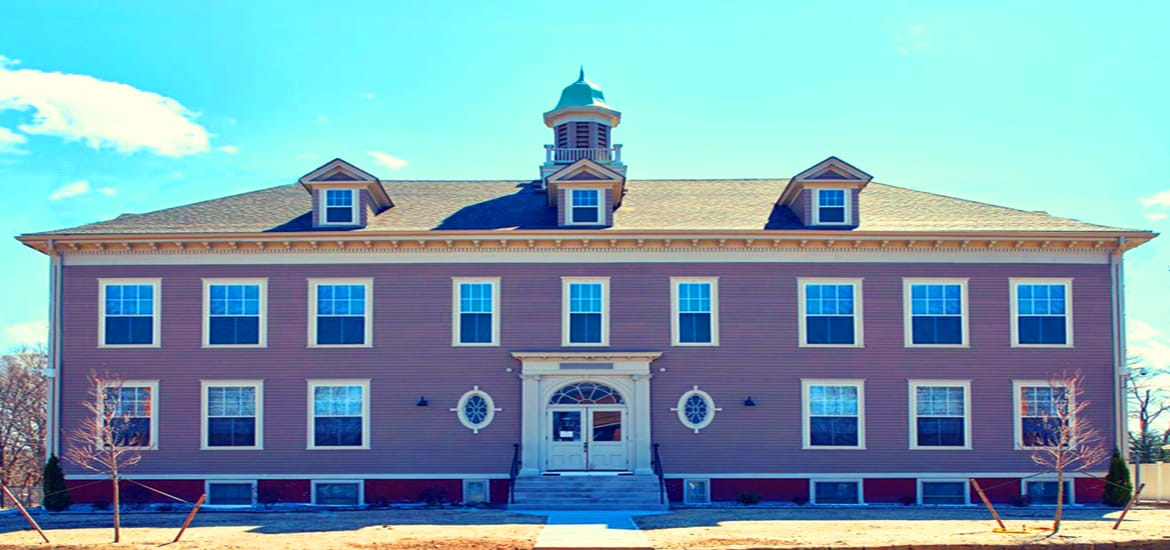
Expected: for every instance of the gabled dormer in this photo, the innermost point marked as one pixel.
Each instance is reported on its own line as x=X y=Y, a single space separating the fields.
x=585 y=194
x=344 y=196
x=826 y=195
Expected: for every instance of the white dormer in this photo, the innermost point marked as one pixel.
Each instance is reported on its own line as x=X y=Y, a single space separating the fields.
x=826 y=194
x=344 y=196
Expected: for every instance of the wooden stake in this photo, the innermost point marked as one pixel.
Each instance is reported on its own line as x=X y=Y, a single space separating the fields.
x=24 y=512
x=987 y=503
x=1129 y=504
x=190 y=517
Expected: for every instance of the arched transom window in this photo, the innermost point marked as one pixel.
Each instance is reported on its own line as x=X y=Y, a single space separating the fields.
x=586 y=393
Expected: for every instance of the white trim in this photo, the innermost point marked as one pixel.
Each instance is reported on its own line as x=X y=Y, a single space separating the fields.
x=204 y=385
x=364 y=383
x=907 y=305
x=361 y=492
x=491 y=410
x=864 y=475
x=858 y=315
x=1013 y=301
x=487 y=490
x=682 y=412
x=207 y=483
x=1069 y=496
x=323 y=213
x=456 y=319
x=1017 y=418
x=154 y=406
x=816 y=205
x=966 y=490
x=599 y=192
x=805 y=404
x=812 y=489
x=262 y=282
x=156 y=303
x=914 y=384
x=674 y=311
x=368 y=282
x=565 y=284
x=342 y=477
x=706 y=490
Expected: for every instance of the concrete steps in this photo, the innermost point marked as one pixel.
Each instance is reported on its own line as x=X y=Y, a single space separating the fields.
x=618 y=492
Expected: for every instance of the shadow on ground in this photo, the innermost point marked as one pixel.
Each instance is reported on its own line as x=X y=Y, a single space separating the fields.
x=711 y=517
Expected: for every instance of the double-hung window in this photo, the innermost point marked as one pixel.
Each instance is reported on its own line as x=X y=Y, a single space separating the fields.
x=1041 y=312
x=696 y=311
x=940 y=414
x=834 y=414
x=233 y=412
x=339 y=312
x=1040 y=407
x=340 y=207
x=339 y=414
x=936 y=312
x=830 y=312
x=832 y=206
x=130 y=409
x=129 y=312
x=477 y=320
x=586 y=311
x=585 y=206
x=234 y=312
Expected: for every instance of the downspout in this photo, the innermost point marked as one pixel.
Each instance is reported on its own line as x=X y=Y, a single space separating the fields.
x=52 y=418
x=1120 y=372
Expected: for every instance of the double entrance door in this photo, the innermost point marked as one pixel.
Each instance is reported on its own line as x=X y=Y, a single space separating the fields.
x=585 y=438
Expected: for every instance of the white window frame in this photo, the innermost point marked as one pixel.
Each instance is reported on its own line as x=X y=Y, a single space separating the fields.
x=966 y=492
x=456 y=317
x=154 y=403
x=914 y=385
x=599 y=192
x=1018 y=418
x=1069 y=495
x=205 y=385
x=566 y=282
x=369 y=314
x=806 y=407
x=681 y=409
x=812 y=490
x=1013 y=299
x=323 y=217
x=908 y=315
x=858 y=318
x=263 y=329
x=492 y=409
x=310 y=413
x=156 y=314
x=209 y=482
x=487 y=493
x=675 y=329
x=816 y=205
x=706 y=490
x=361 y=492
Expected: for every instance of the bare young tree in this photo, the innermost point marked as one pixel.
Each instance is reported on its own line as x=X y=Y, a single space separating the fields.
x=23 y=391
x=1148 y=401
x=1062 y=436
x=109 y=436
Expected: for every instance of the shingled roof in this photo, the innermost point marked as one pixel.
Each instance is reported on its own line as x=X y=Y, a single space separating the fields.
x=648 y=205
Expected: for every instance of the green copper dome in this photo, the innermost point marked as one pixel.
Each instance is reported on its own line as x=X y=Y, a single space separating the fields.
x=582 y=93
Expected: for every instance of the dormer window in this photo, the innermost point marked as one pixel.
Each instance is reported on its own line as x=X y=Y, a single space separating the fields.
x=340 y=207
x=585 y=206
x=832 y=206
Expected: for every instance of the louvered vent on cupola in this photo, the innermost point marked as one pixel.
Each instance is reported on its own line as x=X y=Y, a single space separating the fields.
x=563 y=136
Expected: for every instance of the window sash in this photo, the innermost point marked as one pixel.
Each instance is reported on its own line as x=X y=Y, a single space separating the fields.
x=834 y=415
x=234 y=311
x=129 y=311
x=585 y=206
x=339 y=206
x=133 y=415
x=944 y=492
x=837 y=492
x=936 y=313
x=341 y=311
x=830 y=313
x=230 y=494
x=831 y=204
x=338 y=413
x=232 y=416
x=1038 y=415
x=476 y=305
x=1041 y=313
x=695 y=312
x=337 y=494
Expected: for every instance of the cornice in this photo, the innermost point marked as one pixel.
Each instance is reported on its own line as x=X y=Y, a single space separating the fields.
x=586 y=355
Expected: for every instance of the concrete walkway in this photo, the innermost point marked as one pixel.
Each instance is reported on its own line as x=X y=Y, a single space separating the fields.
x=591 y=529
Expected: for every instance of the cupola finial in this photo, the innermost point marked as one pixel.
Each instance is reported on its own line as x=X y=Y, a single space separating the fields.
x=581 y=78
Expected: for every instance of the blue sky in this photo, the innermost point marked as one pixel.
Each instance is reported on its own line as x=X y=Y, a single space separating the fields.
x=108 y=108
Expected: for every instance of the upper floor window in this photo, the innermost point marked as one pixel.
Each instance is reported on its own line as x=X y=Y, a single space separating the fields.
x=584 y=206
x=476 y=319
x=340 y=206
x=830 y=312
x=586 y=312
x=834 y=414
x=1039 y=407
x=696 y=311
x=339 y=414
x=234 y=312
x=131 y=411
x=232 y=412
x=832 y=206
x=339 y=312
x=940 y=415
x=129 y=312
x=936 y=312
x=1041 y=312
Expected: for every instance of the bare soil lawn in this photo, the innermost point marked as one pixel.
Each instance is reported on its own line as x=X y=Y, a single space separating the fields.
x=390 y=529
x=896 y=527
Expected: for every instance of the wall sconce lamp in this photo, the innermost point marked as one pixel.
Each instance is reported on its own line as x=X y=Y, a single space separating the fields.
x=748 y=402
x=422 y=402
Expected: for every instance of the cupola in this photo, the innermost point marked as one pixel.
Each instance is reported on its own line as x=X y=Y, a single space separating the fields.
x=826 y=195
x=344 y=196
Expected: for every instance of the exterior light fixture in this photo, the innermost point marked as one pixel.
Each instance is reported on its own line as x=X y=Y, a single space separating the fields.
x=748 y=402
x=422 y=402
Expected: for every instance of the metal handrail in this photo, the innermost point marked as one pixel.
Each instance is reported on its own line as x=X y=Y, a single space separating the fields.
x=515 y=471
x=656 y=464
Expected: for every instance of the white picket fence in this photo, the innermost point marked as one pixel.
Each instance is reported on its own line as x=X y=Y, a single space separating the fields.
x=1157 y=480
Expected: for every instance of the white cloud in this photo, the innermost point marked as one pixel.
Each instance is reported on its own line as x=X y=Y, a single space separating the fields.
x=79 y=188
x=27 y=333
x=911 y=41
x=1157 y=206
x=108 y=191
x=1146 y=341
x=1157 y=216
x=386 y=159
x=10 y=141
x=77 y=107
x=229 y=149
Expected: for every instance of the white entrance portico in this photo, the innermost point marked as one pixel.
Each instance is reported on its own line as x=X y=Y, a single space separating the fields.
x=585 y=411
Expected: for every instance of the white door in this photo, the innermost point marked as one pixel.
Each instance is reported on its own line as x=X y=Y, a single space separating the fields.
x=607 y=440
x=587 y=438
x=566 y=439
